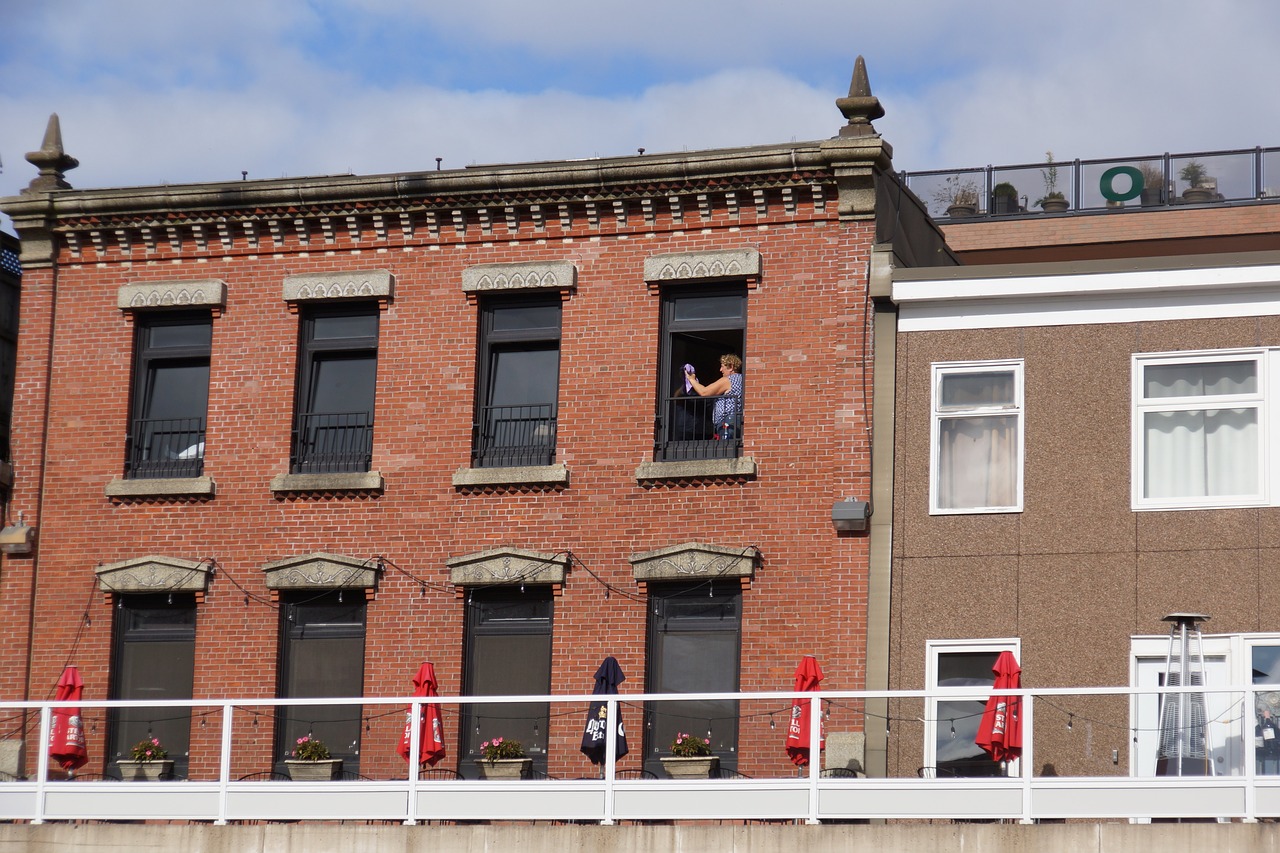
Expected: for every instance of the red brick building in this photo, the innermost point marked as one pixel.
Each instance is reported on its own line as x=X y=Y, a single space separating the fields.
x=293 y=437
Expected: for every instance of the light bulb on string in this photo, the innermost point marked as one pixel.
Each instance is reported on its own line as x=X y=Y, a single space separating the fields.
x=953 y=729
x=1070 y=720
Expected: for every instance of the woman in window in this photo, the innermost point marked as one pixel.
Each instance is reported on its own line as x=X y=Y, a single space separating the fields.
x=728 y=409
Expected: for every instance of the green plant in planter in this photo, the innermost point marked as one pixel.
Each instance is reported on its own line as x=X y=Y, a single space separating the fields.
x=501 y=748
x=310 y=749
x=148 y=750
x=1004 y=198
x=1193 y=173
x=690 y=746
x=1050 y=175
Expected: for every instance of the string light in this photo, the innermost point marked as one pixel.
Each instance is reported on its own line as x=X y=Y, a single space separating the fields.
x=1070 y=720
x=953 y=729
x=772 y=724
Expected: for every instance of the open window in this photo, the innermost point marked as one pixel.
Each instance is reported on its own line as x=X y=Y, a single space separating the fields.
x=700 y=324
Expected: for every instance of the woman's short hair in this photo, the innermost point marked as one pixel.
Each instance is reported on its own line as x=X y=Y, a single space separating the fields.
x=731 y=361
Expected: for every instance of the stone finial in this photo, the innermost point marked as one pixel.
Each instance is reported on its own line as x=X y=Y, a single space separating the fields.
x=861 y=107
x=51 y=160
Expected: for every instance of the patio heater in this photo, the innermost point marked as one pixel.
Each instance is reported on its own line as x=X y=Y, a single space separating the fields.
x=1182 y=749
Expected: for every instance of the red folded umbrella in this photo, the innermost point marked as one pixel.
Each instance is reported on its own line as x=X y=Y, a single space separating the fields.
x=1000 y=731
x=431 y=736
x=808 y=677
x=66 y=734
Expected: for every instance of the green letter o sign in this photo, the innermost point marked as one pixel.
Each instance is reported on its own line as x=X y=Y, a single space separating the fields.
x=1109 y=176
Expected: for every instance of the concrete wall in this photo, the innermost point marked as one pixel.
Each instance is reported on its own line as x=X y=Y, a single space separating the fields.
x=912 y=838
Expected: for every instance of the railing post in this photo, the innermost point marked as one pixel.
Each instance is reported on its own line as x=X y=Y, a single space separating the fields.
x=415 y=760
x=610 y=758
x=42 y=762
x=815 y=755
x=1027 y=759
x=1250 y=757
x=224 y=765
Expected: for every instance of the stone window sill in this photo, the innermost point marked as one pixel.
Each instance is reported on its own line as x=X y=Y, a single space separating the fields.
x=364 y=481
x=161 y=487
x=542 y=475
x=693 y=469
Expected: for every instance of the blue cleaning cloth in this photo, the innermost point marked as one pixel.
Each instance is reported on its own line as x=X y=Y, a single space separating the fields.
x=688 y=386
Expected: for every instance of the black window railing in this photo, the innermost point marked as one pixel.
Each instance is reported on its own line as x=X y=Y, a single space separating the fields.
x=514 y=436
x=1156 y=181
x=332 y=443
x=172 y=447
x=698 y=428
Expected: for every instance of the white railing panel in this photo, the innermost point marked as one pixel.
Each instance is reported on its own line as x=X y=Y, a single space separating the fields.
x=130 y=801
x=1119 y=797
x=316 y=801
x=889 y=798
x=17 y=800
x=740 y=799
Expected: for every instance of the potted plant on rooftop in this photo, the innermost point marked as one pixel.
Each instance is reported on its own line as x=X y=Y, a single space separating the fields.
x=1197 y=179
x=1004 y=198
x=148 y=761
x=690 y=758
x=503 y=758
x=1053 y=200
x=310 y=761
x=958 y=195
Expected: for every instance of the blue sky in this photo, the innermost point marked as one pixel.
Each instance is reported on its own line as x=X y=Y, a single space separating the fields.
x=175 y=91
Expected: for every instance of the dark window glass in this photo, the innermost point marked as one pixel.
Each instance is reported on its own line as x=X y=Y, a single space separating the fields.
x=508 y=654
x=322 y=655
x=337 y=373
x=518 y=381
x=153 y=658
x=958 y=753
x=699 y=325
x=695 y=634
x=170 y=395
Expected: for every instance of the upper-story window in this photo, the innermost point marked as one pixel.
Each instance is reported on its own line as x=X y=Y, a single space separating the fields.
x=977 y=427
x=703 y=327
x=337 y=369
x=170 y=394
x=518 y=380
x=1198 y=426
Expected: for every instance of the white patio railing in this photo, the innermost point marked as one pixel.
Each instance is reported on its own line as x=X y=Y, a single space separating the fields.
x=1239 y=793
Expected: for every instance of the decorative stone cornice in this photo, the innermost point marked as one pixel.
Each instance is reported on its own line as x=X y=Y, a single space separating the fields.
x=507 y=566
x=378 y=284
x=535 y=276
x=733 y=263
x=155 y=574
x=140 y=295
x=322 y=571
x=693 y=561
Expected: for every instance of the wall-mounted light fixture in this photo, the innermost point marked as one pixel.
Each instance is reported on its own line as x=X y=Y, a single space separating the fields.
x=17 y=538
x=850 y=514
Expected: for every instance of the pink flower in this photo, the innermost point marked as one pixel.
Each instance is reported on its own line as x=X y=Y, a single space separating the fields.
x=497 y=741
x=302 y=740
x=484 y=745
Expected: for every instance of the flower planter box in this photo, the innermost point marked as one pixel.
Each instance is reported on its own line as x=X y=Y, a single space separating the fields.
x=504 y=768
x=313 y=771
x=698 y=767
x=146 y=771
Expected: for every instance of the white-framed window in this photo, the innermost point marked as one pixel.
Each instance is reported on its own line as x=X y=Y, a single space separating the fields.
x=976 y=445
x=1199 y=429
x=960 y=670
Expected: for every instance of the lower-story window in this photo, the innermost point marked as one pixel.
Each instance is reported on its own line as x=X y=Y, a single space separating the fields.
x=321 y=655
x=694 y=644
x=951 y=723
x=508 y=653
x=153 y=658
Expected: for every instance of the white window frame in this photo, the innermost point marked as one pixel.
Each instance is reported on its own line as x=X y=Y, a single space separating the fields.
x=1258 y=400
x=941 y=370
x=935 y=649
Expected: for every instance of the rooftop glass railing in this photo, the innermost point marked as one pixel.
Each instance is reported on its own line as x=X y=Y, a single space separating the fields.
x=1110 y=185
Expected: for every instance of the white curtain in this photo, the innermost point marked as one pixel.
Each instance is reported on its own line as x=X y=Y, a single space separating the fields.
x=977 y=462
x=1207 y=453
